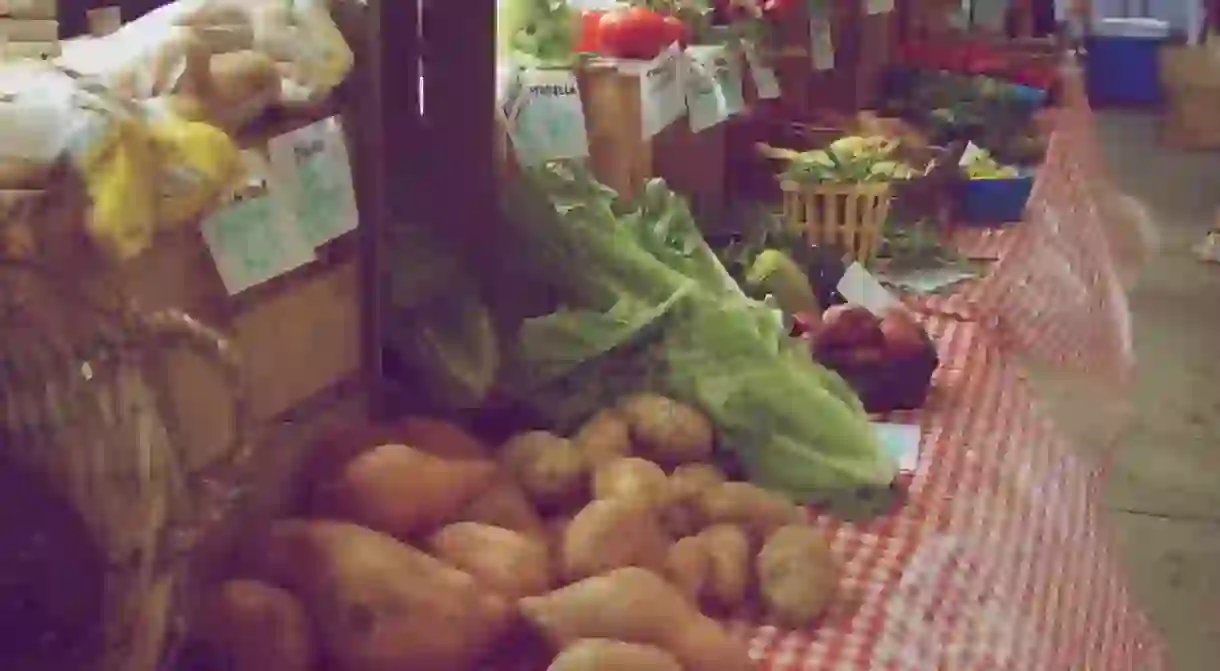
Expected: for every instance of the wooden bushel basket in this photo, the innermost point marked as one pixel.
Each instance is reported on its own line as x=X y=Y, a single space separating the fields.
x=94 y=456
x=848 y=216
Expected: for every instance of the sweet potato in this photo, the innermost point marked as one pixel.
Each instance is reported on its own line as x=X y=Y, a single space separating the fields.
x=666 y=431
x=635 y=605
x=401 y=490
x=610 y=534
x=254 y=626
x=550 y=469
x=599 y=654
x=631 y=478
x=378 y=604
x=505 y=505
x=729 y=574
x=689 y=566
x=759 y=511
x=605 y=437
x=797 y=575
x=507 y=562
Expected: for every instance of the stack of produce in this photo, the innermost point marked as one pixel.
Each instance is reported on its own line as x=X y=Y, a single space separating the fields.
x=420 y=548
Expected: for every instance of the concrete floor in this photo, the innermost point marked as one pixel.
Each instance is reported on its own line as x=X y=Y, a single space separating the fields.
x=1164 y=492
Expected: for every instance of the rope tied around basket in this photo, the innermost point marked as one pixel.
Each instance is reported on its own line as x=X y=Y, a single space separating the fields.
x=84 y=403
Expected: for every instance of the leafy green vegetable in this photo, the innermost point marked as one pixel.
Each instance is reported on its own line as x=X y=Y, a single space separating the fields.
x=650 y=307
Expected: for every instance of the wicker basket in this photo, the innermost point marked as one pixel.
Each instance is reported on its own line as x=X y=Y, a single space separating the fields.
x=848 y=216
x=81 y=413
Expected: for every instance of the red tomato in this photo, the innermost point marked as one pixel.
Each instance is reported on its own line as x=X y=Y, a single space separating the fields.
x=589 y=38
x=676 y=31
x=635 y=33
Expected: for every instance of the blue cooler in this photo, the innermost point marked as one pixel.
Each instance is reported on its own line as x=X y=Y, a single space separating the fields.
x=1123 y=65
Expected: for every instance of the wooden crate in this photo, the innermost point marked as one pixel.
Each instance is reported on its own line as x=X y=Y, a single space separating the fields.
x=691 y=163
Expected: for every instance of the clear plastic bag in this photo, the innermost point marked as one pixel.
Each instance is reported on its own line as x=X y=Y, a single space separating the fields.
x=147 y=57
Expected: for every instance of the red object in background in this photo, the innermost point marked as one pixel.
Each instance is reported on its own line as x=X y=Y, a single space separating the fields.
x=590 y=41
x=634 y=33
x=677 y=31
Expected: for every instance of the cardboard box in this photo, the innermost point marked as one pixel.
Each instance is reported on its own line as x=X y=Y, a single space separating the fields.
x=43 y=51
x=30 y=9
x=29 y=30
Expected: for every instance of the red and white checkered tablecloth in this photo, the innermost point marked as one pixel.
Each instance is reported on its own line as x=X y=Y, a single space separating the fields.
x=1054 y=291
x=998 y=561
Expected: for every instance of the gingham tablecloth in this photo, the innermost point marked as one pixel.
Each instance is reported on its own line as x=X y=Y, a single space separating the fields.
x=1054 y=292
x=999 y=559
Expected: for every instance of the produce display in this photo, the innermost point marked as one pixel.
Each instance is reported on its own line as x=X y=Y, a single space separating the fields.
x=982 y=166
x=626 y=560
x=850 y=159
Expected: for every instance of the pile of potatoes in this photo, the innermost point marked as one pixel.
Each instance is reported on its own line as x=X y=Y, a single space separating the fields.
x=422 y=549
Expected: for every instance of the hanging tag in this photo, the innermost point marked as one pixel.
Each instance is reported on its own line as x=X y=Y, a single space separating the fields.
x=900 y=441
x=662 y=90
x=550 y=122
x=878 y=6
x=707 y=84
x=311 y=170
x=990 y=15
x=821 y=44
x=766 y=83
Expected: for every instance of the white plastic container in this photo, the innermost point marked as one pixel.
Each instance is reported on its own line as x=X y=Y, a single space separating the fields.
x=1152 y=29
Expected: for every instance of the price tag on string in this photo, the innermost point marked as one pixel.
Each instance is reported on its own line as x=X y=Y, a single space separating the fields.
x=821 y=43
x=662 y=90
x=311 y=171
x=766 y=83
x=713 y=90
x=900 y=441
x=878 y=6
x=550 y=120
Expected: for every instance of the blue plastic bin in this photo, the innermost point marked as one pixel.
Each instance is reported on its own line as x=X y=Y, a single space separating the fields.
x=987 y=202
x=1123 y=71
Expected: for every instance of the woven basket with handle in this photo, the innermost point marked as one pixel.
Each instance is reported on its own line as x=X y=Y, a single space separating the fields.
x=97 y=570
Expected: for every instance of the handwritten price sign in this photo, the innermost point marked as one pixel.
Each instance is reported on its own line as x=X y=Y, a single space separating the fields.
x=550 y=120
x=713 y=92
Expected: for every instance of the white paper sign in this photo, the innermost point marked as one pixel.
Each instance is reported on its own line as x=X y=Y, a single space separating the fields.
x=713 y=86
x=550 y=120
x=821 y=44
x=860 y=287
x=970 y=154
x=878 y=6
x=900 y=441
x=254 y=239
x=662 y=91
x=310 y=168
x=766 y=84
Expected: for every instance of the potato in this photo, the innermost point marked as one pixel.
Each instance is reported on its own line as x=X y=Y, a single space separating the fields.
x=634 y=605
x=400 y=490
x=688 y=565
x=605 y=437
x=666 y=431
x=256 y=627
x=730 y=572
x=610 y=534
x=600 y=654
x=378 y=604
x=683 y=512
x=759 y=511
x=631 y=478
x=550 y=469
x=797 y=575
x=507 y=562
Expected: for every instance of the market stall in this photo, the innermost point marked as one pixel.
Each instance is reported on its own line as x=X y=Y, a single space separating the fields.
x=602 y=404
